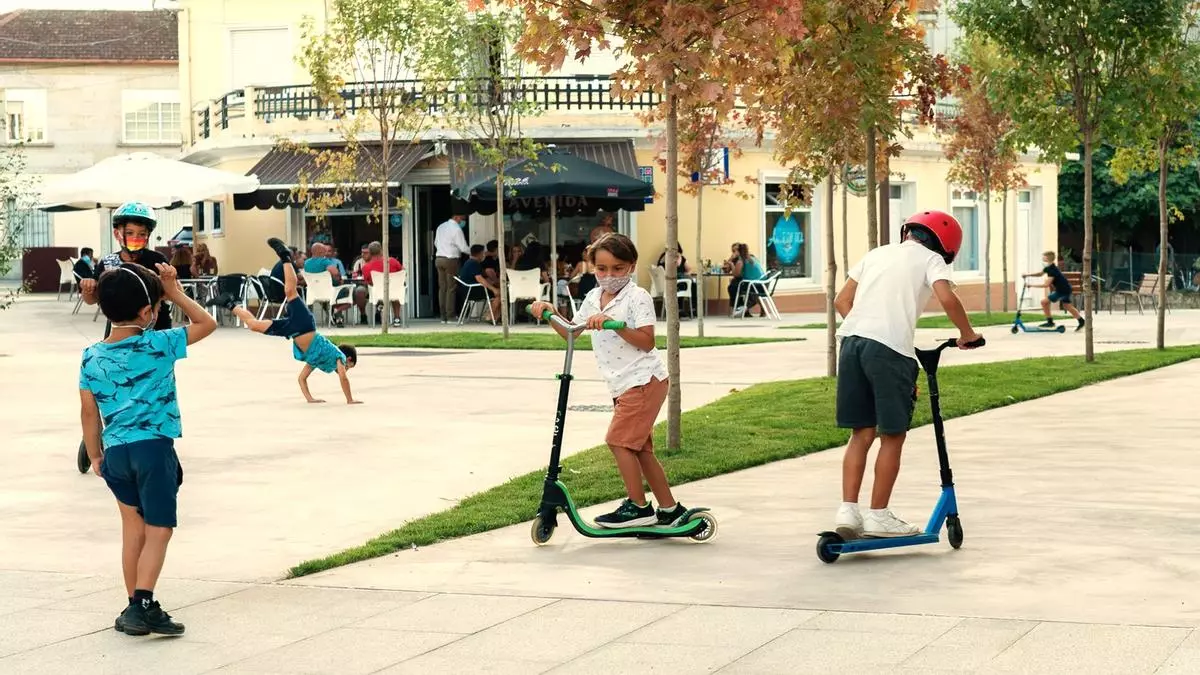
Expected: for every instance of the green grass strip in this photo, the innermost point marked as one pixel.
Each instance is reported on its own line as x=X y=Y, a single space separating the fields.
x=764 y=423
x=528 y=341
x=978 y=319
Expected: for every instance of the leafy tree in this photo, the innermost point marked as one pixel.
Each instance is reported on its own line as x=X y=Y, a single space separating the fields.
x=16 y=191
x=1167 y=105
x=489 y=111
x=1070 y=76
x=691 y=54
x=385 y=48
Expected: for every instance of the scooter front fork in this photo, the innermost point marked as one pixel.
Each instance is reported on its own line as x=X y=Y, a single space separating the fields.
x=947 y=506
x=553 y=499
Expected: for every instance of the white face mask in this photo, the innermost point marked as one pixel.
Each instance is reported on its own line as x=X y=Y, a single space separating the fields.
x=613 y=284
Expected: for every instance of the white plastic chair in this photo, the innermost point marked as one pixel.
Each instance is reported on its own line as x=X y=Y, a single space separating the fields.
x=66 y=275
x=765 y=288
x=468 y=301
x=526 y=285
x=683 y=289
x=398 y=292
x=321 y=289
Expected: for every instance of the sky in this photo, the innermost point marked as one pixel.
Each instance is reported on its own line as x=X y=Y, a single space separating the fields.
x=7 y=5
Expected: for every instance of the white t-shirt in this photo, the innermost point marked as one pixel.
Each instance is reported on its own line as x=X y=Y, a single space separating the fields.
x=895 y=283
x=622 y=365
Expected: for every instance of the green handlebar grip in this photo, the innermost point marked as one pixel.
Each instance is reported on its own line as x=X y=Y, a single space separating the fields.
x=546 y=314
x=614 y=325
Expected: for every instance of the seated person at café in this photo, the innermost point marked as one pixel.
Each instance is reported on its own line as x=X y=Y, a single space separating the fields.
x=320 y=261
x=182 y=261
x=682 y=271
x=83 y=267
x=372 y=272
x=203 y=264
x=472 y=272
x=491 y=262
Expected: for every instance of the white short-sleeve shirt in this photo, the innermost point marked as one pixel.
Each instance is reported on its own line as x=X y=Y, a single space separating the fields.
x=622 y=365
x=895 y=283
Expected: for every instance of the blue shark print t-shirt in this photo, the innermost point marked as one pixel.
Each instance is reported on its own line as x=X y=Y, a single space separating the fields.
x=322 y=354
x=134 y=384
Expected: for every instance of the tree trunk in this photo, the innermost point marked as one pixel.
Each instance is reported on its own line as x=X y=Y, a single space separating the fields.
x=1162 y=242
x=1088 y=351
x=384 y=239
x=699 y=259
x=830 y=280
x=845 y=223
x=885 y=203
x=504 y=317
x=872 y=214
x=674 y=401
x=1004 y=245
x=987 y=244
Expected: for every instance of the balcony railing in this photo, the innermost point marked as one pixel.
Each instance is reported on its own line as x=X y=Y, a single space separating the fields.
x=587 y=93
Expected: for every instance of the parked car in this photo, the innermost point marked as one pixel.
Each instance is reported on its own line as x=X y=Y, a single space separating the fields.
x=182 y=238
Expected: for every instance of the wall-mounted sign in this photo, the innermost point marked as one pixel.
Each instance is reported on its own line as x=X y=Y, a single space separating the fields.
x=646 y=173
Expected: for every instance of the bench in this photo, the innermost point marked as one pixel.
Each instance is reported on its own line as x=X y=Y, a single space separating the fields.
x=1076 y=281
x=1147 y=288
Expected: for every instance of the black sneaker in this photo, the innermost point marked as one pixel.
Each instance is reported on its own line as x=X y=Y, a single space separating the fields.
x=119 y=624
x=670 y=518
x=629 y=514
x=225 y=300
x=1080 y=326
x=139 y=620
x=1048 y=324
x=280 y=248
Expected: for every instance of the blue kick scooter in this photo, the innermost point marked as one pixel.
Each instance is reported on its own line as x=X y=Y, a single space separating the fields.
x=832 y=545
x=698 y=524
x=1019 y=325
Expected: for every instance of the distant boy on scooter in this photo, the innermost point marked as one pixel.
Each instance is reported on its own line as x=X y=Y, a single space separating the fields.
x=1060 y=291
x=877 y=369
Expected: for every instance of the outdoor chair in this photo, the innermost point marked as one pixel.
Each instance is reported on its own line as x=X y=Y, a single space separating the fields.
x=658 y=289
x=470 y=300
x=237 y=285
x=526 y=285
x=321 y=290
x=271 y=291
x=1148 y=288
x=764 y=288
x=66 y=275
x=397 y=292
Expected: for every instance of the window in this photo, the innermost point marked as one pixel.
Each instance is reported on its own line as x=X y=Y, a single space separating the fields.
x=151 y=116
x=901 y=205
x=786 y=236
x=260 y=57
x=966 y=211
x=198 y=218
x=25 y=115
x=33 y=227
x=715 y=169
x=217 y=226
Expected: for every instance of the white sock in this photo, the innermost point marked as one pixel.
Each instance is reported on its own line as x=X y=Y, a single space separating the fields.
x=879 y=512
x=853 y=506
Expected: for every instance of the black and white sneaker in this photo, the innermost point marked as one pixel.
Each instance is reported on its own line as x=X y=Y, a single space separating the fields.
x=225 y=300
x=1048 y=324
x=1082 y=323
x=280 y=248
x=144 y=619
x=670 y=517
x=629 y=514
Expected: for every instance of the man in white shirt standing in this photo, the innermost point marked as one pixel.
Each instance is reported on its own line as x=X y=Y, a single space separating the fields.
x=877 y=367
x=449 y=244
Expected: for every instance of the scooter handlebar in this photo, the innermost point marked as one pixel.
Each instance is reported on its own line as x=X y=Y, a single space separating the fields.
x=574 y=328
x=953 y=342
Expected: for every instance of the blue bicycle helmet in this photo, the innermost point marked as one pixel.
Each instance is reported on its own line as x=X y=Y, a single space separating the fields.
x=134 y=212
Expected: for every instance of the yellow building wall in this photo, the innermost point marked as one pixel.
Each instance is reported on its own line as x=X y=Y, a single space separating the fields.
x=241 y=247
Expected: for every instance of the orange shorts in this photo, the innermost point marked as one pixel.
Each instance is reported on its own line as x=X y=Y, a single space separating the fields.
x=634 y=413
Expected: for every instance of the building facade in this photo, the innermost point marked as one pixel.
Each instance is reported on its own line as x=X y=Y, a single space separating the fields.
x=77 y=87
x=240 y=79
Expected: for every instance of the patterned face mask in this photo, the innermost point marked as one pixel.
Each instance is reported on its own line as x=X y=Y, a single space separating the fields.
x=613 y=284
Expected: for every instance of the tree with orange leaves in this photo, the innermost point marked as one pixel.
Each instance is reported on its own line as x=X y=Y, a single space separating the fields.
x=695 y=54
x=980 y=150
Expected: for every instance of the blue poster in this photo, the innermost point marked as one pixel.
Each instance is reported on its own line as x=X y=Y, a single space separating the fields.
x=788 y=240
x=646 y=173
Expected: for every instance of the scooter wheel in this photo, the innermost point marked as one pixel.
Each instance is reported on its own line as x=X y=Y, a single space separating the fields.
x=82 y=461
x=1061 y=329
x=1014 y=330
x=824 y=551
x=710 y=527
x=954 y=531
x=541 y=531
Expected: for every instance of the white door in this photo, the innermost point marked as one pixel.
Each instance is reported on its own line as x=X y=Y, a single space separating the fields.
x=1029 y=243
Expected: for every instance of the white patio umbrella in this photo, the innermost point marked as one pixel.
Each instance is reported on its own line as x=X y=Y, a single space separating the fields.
x=141 y=176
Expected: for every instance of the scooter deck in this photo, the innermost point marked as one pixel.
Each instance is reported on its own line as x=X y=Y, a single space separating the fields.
x=685 y=528
x=877 y=543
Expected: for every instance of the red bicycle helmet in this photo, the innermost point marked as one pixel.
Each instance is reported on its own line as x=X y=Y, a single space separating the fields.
x=945 y=231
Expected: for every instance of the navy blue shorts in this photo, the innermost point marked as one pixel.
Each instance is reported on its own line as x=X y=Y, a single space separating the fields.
x=147 y=475
x=297 y=320
x=876 y=386
x=1055 y=296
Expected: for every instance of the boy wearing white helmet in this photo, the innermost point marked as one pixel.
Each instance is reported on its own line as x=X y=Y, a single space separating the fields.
x=133 y=223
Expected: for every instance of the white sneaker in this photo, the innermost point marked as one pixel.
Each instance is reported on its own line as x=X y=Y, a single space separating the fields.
x=883 y=523
x=849 y=521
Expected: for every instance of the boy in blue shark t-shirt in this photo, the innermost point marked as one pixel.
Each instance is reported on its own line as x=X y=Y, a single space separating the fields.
x=308 y=346
x=128 y=383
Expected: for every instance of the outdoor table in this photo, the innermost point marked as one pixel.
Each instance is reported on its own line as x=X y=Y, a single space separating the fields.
x=718 y=274
x=202 y=288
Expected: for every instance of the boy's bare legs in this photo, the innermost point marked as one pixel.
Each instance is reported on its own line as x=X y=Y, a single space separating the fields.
x=154 y=552
x=631 y=473
x=657 y=478
x=887 y=468
x=133 y=539
x=854 y=463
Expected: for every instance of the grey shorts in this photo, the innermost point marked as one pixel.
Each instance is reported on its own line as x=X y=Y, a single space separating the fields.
x=876 y=387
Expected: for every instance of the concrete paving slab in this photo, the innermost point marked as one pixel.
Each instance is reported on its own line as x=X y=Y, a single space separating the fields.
x=350 y=651
x=1072 y=649
x=670 y=659
x=728 y=626
x=1040 y=500
x=810 y=651
x=969 y=645
x=447 y=613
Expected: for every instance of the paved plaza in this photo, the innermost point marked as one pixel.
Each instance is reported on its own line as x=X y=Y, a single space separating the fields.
x=1079 y=512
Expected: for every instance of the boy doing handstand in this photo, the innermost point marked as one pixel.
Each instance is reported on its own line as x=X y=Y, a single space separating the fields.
x=311 y=348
